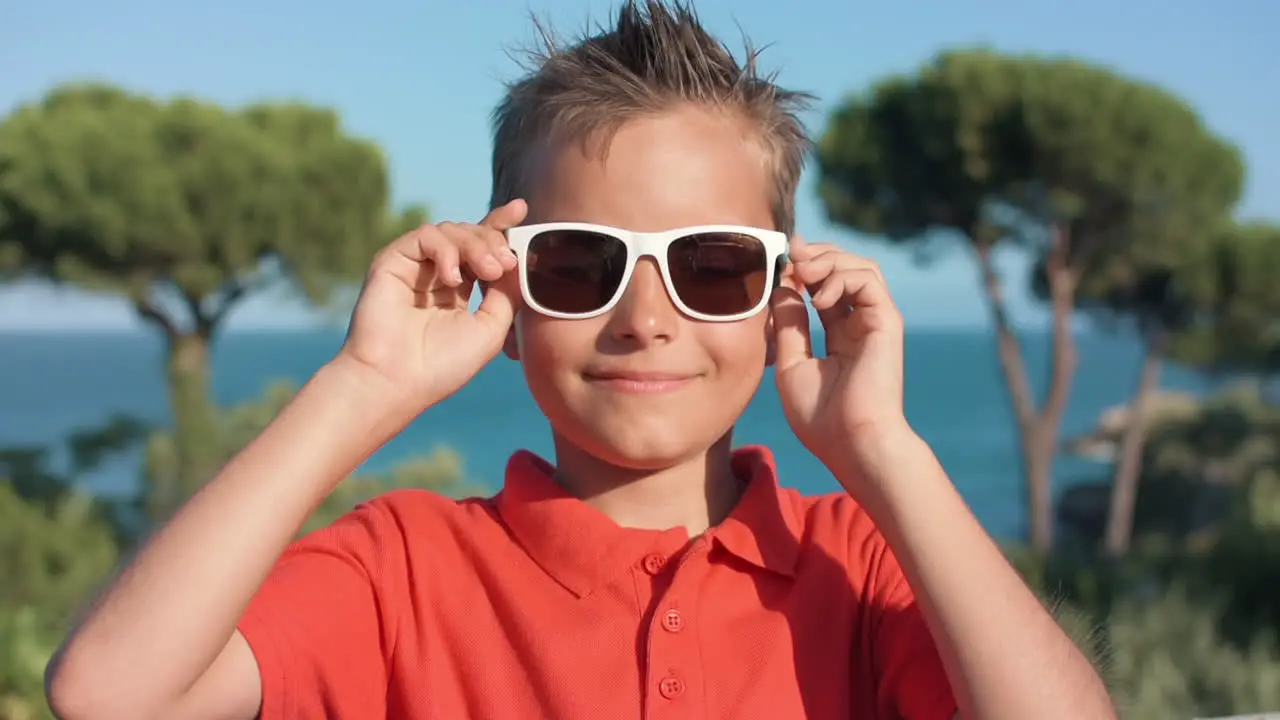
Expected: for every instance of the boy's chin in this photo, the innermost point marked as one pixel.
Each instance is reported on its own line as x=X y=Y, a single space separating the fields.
x=644 y=450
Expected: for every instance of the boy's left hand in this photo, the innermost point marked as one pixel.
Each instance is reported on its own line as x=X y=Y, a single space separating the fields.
x=846 y=405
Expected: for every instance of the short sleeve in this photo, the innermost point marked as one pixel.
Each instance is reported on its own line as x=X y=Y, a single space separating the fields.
x=910 y=680
x=319 y=625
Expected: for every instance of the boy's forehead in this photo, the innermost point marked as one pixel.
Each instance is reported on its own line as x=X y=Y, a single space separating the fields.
x=677 y=169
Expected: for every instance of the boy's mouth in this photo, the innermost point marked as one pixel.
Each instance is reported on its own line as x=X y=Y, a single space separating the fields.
x=638 y=382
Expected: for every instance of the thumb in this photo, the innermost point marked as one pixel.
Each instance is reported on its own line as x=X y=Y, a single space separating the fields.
x=497 y=307
x=791 y=328
x=505 y=217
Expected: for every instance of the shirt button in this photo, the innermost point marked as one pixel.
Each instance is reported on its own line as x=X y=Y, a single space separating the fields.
x=673 y=621
x=671 y=687
x=653 y=564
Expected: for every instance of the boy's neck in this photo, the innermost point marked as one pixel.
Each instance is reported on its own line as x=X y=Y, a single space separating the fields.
x=696 y=494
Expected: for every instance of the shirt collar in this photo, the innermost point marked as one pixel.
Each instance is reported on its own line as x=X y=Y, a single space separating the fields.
x=764 y=528
x=582 y=548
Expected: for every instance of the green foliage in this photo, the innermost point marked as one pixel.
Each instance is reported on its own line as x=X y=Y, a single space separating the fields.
x=32 y=476
x=1000 y=147
x=1114 y=185
x=914 y=154
x=120 y=192
x=1208 y=475
x=1164 y=649
x=58 y=545
x=25 y=648
x=1239 y=302
x=53 y=555
x=185 y=208
x=1170 y=660
x=1132 y=171
x=1187 y=624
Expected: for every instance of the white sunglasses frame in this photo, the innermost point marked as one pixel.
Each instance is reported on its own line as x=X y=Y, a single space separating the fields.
x=654 y=245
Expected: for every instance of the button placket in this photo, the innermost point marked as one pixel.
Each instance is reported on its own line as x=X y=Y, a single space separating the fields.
x=673 y=663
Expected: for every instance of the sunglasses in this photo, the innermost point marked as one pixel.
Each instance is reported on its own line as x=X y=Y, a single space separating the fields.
x=717 y=273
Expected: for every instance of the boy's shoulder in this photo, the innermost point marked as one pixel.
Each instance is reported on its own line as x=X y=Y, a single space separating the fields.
x=833 y=517
x=420 y=512
x=831 y=524
x=821 y=515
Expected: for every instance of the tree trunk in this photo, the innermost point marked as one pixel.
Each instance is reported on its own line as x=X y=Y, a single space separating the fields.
x=195 y=428
x=1037 y=427
x=1062 y=372
x=1039 y=450
x=1128 y=470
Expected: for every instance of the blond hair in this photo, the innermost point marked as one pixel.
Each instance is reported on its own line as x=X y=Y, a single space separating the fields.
x=656 y=56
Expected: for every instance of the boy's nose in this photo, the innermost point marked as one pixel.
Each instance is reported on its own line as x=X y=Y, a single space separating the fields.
x=645 y=313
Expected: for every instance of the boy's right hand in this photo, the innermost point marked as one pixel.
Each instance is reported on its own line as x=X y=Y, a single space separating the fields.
x=412 y=330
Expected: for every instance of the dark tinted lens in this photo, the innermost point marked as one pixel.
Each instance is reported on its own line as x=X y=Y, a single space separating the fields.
x=718 y=273
x=574 y=271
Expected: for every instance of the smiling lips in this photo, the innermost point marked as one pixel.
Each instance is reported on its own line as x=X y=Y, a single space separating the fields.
x=639 y=383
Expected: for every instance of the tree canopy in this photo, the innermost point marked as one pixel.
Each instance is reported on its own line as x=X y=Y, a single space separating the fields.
x=1001 y=147
x=1232 y=286
x=184 y=206
x=911 y=156
x=1109 y=182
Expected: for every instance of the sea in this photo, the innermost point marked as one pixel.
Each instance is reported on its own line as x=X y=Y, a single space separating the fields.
x=53 y=384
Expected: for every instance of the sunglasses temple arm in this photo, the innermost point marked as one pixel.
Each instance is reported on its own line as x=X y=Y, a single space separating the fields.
x=779 y=267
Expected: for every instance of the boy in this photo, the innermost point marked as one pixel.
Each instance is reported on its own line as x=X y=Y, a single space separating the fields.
x=635 y=263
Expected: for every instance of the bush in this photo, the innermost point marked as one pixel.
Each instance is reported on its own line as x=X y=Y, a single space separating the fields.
x=53 y=557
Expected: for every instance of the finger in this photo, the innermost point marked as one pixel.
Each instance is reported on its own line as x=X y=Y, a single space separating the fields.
x=478 y=257
x=809 y=250
x=499 y=303
x=857 y=292
x=811 y=273
x=406 y=256
x=498 y=245
x=792 y=342
x=801 y=251
x=423 y=258
x=798 y=250
x=505 y=217
x=814 y=271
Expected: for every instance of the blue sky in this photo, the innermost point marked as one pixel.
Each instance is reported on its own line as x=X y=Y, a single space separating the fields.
x=421 y=76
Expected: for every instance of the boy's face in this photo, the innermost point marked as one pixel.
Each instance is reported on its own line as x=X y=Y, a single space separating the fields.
x=682 y=168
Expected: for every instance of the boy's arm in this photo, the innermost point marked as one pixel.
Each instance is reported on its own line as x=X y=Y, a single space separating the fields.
x=162 y=641
x=1003 y=653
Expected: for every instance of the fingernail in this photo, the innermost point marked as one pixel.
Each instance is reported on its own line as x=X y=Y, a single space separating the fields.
x=456 y=274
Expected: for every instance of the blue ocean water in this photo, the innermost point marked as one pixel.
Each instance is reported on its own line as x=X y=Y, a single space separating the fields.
x=52 y=384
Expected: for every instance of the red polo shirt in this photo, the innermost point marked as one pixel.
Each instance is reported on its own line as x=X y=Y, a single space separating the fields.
x=532 y=604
